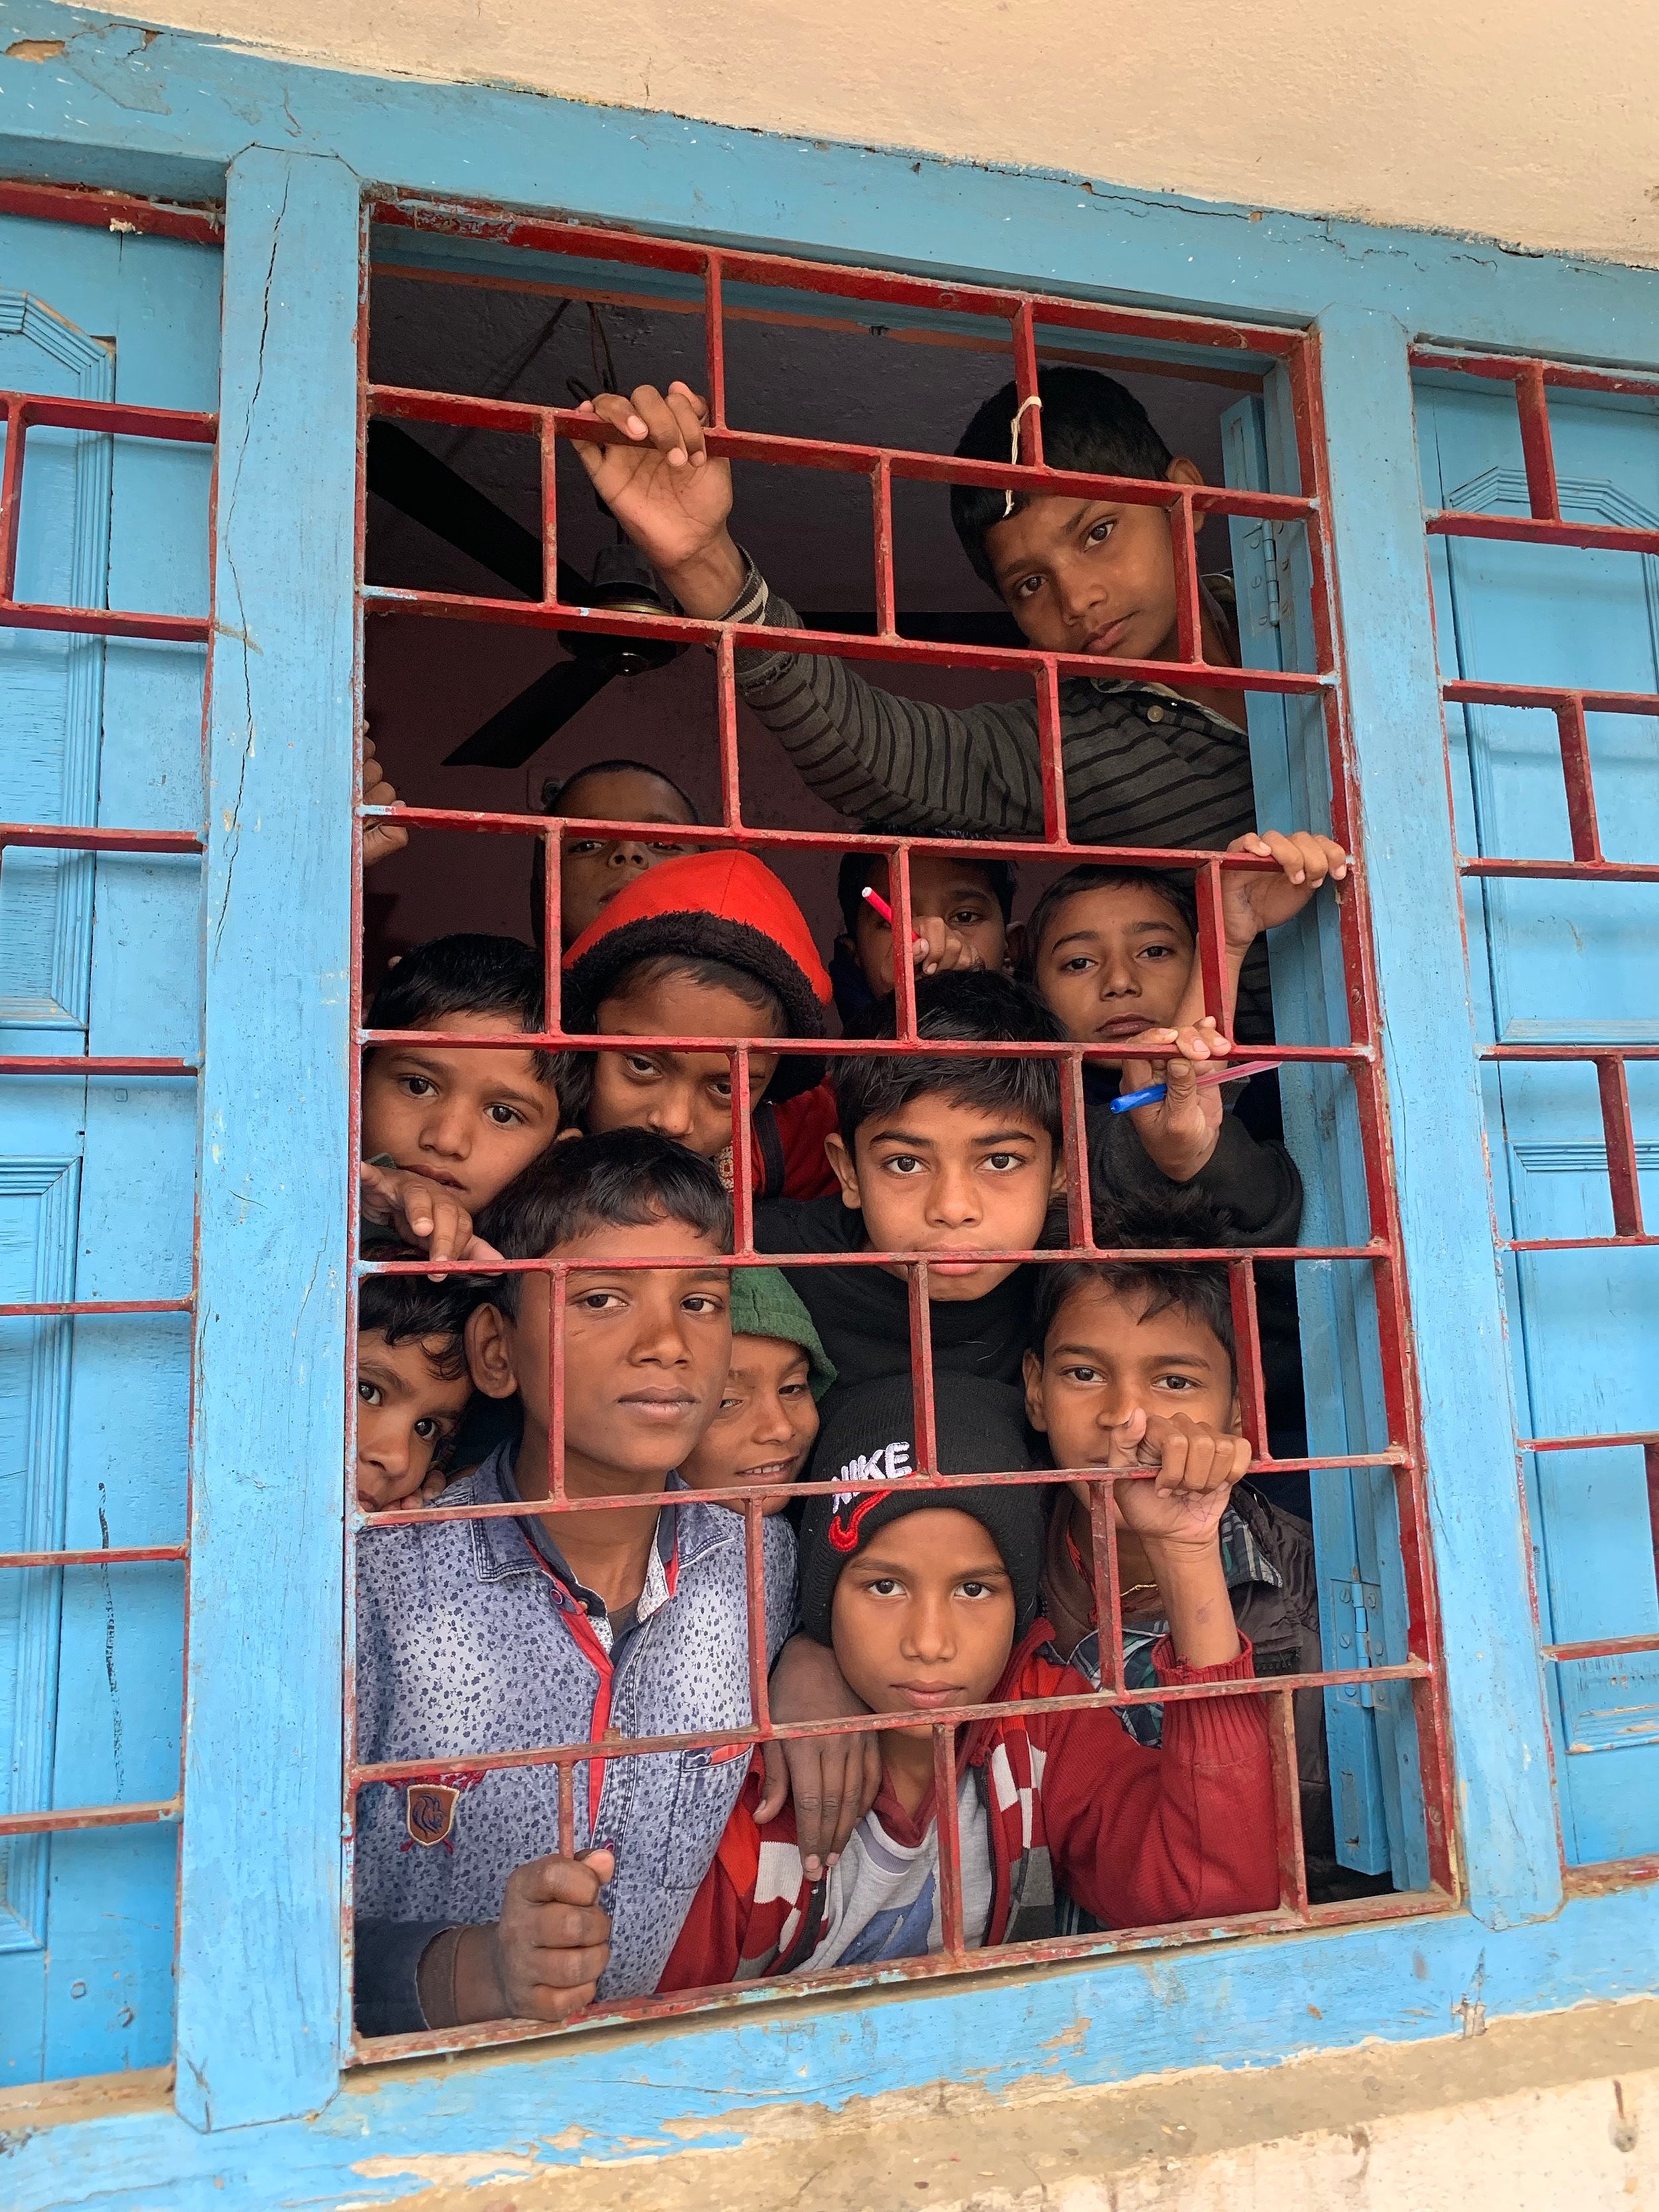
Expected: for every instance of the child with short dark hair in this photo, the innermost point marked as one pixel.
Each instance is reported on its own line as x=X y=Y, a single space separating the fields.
x=711 y=945
x=1145 y=763
x=960 y=912
x=593 y=869
x=1119 y=1343
x=929 y=1600
x=413 y=1385
x=768 y=1419
x=1114 y=952
x=445 y=1129
x=555 y=1628
x=955 y=1154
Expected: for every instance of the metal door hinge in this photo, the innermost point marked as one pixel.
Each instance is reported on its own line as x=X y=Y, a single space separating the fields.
x=1357 y=1609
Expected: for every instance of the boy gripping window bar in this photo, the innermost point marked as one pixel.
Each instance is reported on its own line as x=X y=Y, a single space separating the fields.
x=930 y=1603
x=1144 y=764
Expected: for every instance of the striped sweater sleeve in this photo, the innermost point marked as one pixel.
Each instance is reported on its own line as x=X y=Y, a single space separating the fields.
x=881 y=759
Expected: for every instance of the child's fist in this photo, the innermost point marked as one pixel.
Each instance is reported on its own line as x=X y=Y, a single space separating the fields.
x=422 y=1213
x=380 y=838
x=1197 y=1467
x=378 y=1491
x=936 y=949
x=1253 y=902
x=1179 y=1131
x=543 y=1959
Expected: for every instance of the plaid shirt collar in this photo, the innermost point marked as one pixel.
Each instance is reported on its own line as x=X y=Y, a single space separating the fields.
x=1242 y=1560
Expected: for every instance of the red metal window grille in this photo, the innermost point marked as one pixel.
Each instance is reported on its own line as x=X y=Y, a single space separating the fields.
x=1532 y=382
x=1020 y=317
x=23 y=412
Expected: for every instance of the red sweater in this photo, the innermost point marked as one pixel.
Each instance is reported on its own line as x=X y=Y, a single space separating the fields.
x=787 y=1151
x=1139 y=1837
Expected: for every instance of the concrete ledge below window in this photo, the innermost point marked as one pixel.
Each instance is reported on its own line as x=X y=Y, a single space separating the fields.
x=1534 y=2115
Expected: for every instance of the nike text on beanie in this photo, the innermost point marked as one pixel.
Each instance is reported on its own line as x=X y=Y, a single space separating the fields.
x=870 y=1437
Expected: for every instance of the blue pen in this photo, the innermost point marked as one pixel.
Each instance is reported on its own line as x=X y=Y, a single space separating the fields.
x=1150 y=1097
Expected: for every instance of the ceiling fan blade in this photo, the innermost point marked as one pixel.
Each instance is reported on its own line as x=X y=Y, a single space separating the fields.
x=524 y=726
x=417 y=483
x=988 y=627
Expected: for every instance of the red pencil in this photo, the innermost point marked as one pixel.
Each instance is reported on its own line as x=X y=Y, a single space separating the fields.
x=886 y=911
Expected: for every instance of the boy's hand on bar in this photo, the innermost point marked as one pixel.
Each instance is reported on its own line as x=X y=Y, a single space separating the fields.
x=423 y=1213
x=834 y=1780
x=380 y=838
x=668 y=492
x=543 y=1959
x=378 y=1491
x=1251 y=903
x=1176 y=1514
x=1197 y=1467
x=1179 y=1131
x=935 y=950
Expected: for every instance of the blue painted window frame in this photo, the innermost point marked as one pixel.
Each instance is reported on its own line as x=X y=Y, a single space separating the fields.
x=263 y=2012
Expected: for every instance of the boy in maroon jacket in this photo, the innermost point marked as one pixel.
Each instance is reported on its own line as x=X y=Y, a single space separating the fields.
x=929 y=1599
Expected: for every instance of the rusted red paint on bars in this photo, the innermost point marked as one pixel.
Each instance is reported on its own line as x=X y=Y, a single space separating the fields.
x=687 y=629
x=920 y=1478
x=1532 y=378
x=26 y=410
x=1542 y=1052
x=820 y=1048
x=23 y=413
x=1602 y=1647
x=117 y=211
x=1209 y=1252
x=56 y=1823
x=117 y=1555
x=42 y=1309
x=47 y=837
x=1647 y=1438
x=512 y=418
x=1606 y=871
x=64 y=1064
x=831 y=279
x=717 y=835
x=30 y=410
x=1024 y=319
x=607 y=1747
x=1508 y=368
x=1287 y=1804
x=1052 y=1951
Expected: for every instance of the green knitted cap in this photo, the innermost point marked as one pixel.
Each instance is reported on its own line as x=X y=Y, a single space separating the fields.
x=762 y=1304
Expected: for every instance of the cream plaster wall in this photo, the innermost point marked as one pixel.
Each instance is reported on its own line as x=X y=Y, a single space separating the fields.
x=1525 y=122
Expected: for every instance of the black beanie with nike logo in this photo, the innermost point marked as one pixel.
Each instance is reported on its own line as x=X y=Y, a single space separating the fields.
x=870 y=1437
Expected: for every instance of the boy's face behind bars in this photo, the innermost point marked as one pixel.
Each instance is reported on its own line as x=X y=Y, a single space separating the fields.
x=645 y=1354
x=467 y=1120
x=1090 y=576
